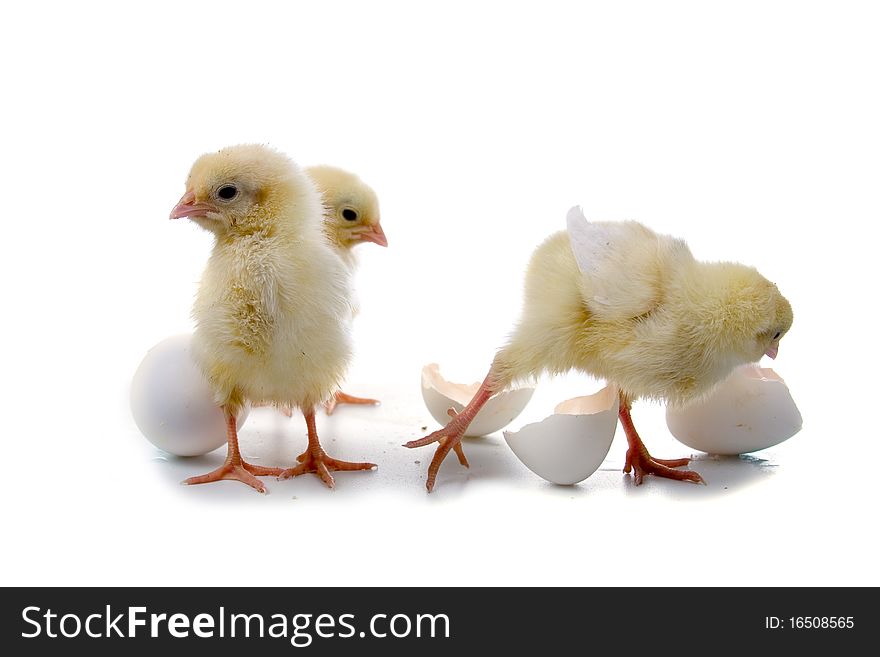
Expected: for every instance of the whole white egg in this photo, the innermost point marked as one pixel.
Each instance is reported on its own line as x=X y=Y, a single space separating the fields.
x=750 y=410
x=172 y=403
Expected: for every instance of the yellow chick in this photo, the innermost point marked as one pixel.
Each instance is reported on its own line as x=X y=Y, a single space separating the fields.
x=351 y=217
x=351 y=210
x=620 y=302
x=274 y=305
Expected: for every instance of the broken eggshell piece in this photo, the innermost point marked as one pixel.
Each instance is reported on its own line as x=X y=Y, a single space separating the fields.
x=502 y=408
x=571 y=444
x=750 y=410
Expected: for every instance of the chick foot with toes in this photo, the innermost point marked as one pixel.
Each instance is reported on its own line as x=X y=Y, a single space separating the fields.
x=641 y=463
x=317 y=462
x=315 y=459
x=237 y=470
x=449 y=438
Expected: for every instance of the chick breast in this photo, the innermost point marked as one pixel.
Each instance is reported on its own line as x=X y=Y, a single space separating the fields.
x=273 y=315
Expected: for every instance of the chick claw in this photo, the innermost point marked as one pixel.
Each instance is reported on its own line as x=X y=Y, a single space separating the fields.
x=322 y=465
x=641 y=463
x=449 y=437
x=238 y=470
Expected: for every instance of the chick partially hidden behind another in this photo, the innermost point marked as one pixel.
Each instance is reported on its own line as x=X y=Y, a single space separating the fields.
x=274 y=306
x=351 y=217
x=620 y=302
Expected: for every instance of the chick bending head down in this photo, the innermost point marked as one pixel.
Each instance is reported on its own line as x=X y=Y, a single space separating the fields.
x=620 y=302
x=274 y=306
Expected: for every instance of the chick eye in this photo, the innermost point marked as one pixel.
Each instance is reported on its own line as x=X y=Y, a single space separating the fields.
x=778 y=333
x=227 y=192
x=349 y=215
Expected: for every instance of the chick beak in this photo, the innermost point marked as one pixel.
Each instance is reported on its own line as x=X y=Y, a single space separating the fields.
x=772 y=351
x=187 y=207
x=373 y=234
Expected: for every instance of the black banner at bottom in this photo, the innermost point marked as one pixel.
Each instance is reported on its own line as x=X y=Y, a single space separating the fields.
x=319 y=621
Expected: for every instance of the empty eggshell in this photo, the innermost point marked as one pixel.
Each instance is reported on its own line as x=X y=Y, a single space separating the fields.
x=440 y=395
x=571 y=444
x=172 y=403
x=750 y=410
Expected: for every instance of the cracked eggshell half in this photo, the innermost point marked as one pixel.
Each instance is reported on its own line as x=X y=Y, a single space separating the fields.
x=172 y=402
x=440 y=395
x=749 y=411
x=571 y=444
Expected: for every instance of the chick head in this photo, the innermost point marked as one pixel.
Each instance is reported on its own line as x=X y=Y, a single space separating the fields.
x=239 y=188
x=756 y=315
x=352 y=207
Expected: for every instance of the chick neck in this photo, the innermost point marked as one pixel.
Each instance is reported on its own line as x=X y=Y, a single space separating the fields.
x=256 y=223
x=727 y=303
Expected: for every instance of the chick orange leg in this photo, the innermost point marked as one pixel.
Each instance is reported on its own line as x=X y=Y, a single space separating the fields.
x=641 y=463
x=459 y=451
x=315 y=459
x=450 y=436
x=235 y=468
x=343 y=398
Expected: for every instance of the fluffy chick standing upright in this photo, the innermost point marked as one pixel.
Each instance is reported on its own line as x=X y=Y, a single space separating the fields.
x=620 y=302
x=274 y=306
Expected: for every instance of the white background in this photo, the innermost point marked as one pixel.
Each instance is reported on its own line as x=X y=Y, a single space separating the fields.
x=749 y=128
